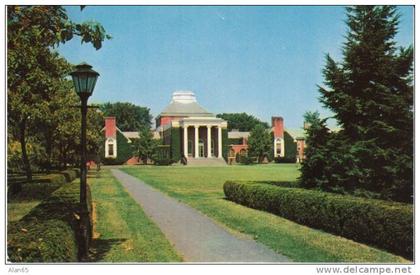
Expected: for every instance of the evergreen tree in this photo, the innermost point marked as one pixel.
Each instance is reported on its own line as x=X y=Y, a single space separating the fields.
x=317 y=135
x=259 y=142
x=145 y=145
x=371 y=94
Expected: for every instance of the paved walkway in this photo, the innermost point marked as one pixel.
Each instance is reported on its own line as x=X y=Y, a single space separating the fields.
x=196 y=237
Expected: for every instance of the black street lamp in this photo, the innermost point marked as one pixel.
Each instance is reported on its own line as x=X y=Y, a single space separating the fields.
x=84 y=80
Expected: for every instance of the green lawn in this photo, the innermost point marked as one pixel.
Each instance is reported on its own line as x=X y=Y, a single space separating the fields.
x=202 y=188
x=122 y=232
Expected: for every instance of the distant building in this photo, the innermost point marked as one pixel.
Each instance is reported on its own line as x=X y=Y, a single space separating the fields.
x=191 y=131
x=287 y=144
x=196 y=136
x=118 y=147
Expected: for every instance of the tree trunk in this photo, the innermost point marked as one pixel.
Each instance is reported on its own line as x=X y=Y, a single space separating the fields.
x=48 y=149
x=25 y=159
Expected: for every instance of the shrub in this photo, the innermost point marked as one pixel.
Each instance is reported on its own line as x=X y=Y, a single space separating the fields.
x=291 y=184
x=41 y=186
x=49 y=232
x=384 y=224
x=162 y=162
x=238 y=158
x=285 y=159
x=246 y=160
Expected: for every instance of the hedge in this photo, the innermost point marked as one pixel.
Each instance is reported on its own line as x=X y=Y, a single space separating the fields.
x=386 y=225
x=48 y=233
x=40 y=186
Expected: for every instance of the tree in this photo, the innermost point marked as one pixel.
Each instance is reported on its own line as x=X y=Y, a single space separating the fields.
x=145 y=145
x=33 y=68
x=129 y=117
x=66 y=120
x=371 y=94
x=317 y=135
x=259 y=142
x=241 y=121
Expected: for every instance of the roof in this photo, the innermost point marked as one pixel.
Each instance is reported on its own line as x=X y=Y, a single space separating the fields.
x=134 y=135
x=237 y=134
x=184 y=104
x=131 y=134
x=296 y=133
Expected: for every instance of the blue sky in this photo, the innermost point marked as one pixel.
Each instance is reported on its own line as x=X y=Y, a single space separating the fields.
x=265 y=61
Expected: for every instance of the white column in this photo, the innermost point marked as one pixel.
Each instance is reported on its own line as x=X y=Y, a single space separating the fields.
x=196 y=141
x=282 y=148
x=209 y=141
x=275 y=147
x=219 y=141
x=186 y=141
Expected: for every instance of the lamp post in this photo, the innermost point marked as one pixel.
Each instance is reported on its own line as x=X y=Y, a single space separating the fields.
x=84 y=80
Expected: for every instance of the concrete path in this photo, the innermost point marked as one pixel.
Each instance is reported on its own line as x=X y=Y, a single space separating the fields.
x=196 y=237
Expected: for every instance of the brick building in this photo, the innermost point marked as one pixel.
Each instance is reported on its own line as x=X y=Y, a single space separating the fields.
x=196 y=136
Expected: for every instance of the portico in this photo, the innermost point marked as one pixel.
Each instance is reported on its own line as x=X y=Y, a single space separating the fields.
x=202 y=137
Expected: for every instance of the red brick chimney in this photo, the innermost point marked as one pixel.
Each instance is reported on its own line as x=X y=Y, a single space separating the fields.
x=110 y=127
x=278 y=126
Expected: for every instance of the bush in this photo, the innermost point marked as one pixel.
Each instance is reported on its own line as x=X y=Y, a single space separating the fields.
x=246 y=160
x=285 y=159
x=163 y=162
x=291 y=184
x=41 y=185
x=49 y=232
x=384 y=224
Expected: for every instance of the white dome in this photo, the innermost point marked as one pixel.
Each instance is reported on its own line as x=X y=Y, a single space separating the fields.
x=183 y=97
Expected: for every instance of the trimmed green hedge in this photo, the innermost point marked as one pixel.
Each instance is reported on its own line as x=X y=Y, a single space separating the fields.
x=48 y=232
x=291 y=184
x=41 y=185
x=380 y=223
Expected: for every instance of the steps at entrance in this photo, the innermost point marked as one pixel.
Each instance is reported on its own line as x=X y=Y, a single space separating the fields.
x=206 y=162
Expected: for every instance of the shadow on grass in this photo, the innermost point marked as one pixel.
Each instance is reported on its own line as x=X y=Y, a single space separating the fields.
x=99 y=248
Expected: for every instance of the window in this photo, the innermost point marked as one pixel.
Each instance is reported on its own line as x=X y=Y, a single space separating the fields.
x=110 y=149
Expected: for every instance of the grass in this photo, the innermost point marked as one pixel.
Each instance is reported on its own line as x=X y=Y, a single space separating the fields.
x=122 y=231
x=202 y=188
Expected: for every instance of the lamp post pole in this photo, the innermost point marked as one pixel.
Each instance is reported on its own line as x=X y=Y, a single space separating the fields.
x=84 y=210
x=84 y=80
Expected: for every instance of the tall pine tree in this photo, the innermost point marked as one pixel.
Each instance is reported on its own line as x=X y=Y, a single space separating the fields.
x=371 y=94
